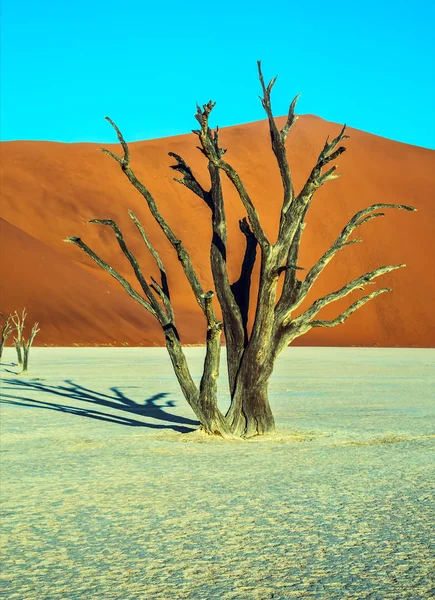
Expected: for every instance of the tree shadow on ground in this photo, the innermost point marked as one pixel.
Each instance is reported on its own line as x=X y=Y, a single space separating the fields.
x=12 y=364
x=117 y=400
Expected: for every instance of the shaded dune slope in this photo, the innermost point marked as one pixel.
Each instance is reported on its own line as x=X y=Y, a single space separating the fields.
x=50 y=190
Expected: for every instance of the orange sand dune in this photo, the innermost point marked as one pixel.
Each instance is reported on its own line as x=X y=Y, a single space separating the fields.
x=50 y=190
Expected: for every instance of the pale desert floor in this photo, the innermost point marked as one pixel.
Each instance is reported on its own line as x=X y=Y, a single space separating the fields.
x=104 y=497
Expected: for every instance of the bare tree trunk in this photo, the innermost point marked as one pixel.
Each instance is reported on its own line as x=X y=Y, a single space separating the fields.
x=26 y=345
x=250 y=413
x=19 y=326
x=214 y=421
x=203 y=401
x=25 y=360
x=19 y=353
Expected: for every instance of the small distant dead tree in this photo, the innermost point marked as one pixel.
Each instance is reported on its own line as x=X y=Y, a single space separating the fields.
x=7 y=329
x=22 y=345
x=19 y=322
x=250 y=355
x=26 y=344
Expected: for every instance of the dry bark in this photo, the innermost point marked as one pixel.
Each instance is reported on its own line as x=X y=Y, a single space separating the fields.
x=250 y=355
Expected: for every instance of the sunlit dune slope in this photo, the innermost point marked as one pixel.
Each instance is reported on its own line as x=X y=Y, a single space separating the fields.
x=50 y=190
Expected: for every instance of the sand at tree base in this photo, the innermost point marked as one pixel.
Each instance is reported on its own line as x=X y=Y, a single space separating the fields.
x=103 y=497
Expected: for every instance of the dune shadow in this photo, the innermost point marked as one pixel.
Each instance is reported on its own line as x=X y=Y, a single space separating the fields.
x=152 y=407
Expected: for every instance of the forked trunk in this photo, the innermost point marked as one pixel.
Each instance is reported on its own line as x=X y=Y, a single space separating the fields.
x=203 y=402
x=250 y=413
x=214 y=423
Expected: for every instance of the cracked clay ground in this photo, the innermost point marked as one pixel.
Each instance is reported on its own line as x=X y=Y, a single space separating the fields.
x=106 y=496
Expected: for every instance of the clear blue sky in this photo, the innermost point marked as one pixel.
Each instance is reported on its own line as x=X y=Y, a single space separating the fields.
x=65 y=65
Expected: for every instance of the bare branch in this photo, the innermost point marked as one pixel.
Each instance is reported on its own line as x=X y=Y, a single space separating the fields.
x=161 y=289
x=289 y=233
x=278 y=139
x=182 y=253
x=19 y=327
x=215 y=421
x=235 y=333
x=154 y=253
x=247 y=203
x=329 y=175
x=212 y=322
x=345 y=314
x=231 y=310
x=360 y=218
x=327 y=155
x=7 y=326
x=214 y=197
x=135 y=265
x=291 y=118
x=6 y=331
x=292 y=257
x=188 y=179
x=19 y=322
x=232 y=303
x=34 y=331
x=291 y=283
x=210 y=150
x=26 y=347
x=125 y=284
x=125 y=160
x=359 y=282
x=164 y=298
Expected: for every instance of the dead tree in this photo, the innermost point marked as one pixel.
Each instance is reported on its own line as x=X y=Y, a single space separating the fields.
x=250 y=355
x=26 y=344
x=18 y=339
x=6 y=330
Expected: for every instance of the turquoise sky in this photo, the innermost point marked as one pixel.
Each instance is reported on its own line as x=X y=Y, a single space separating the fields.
x=65 y=65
